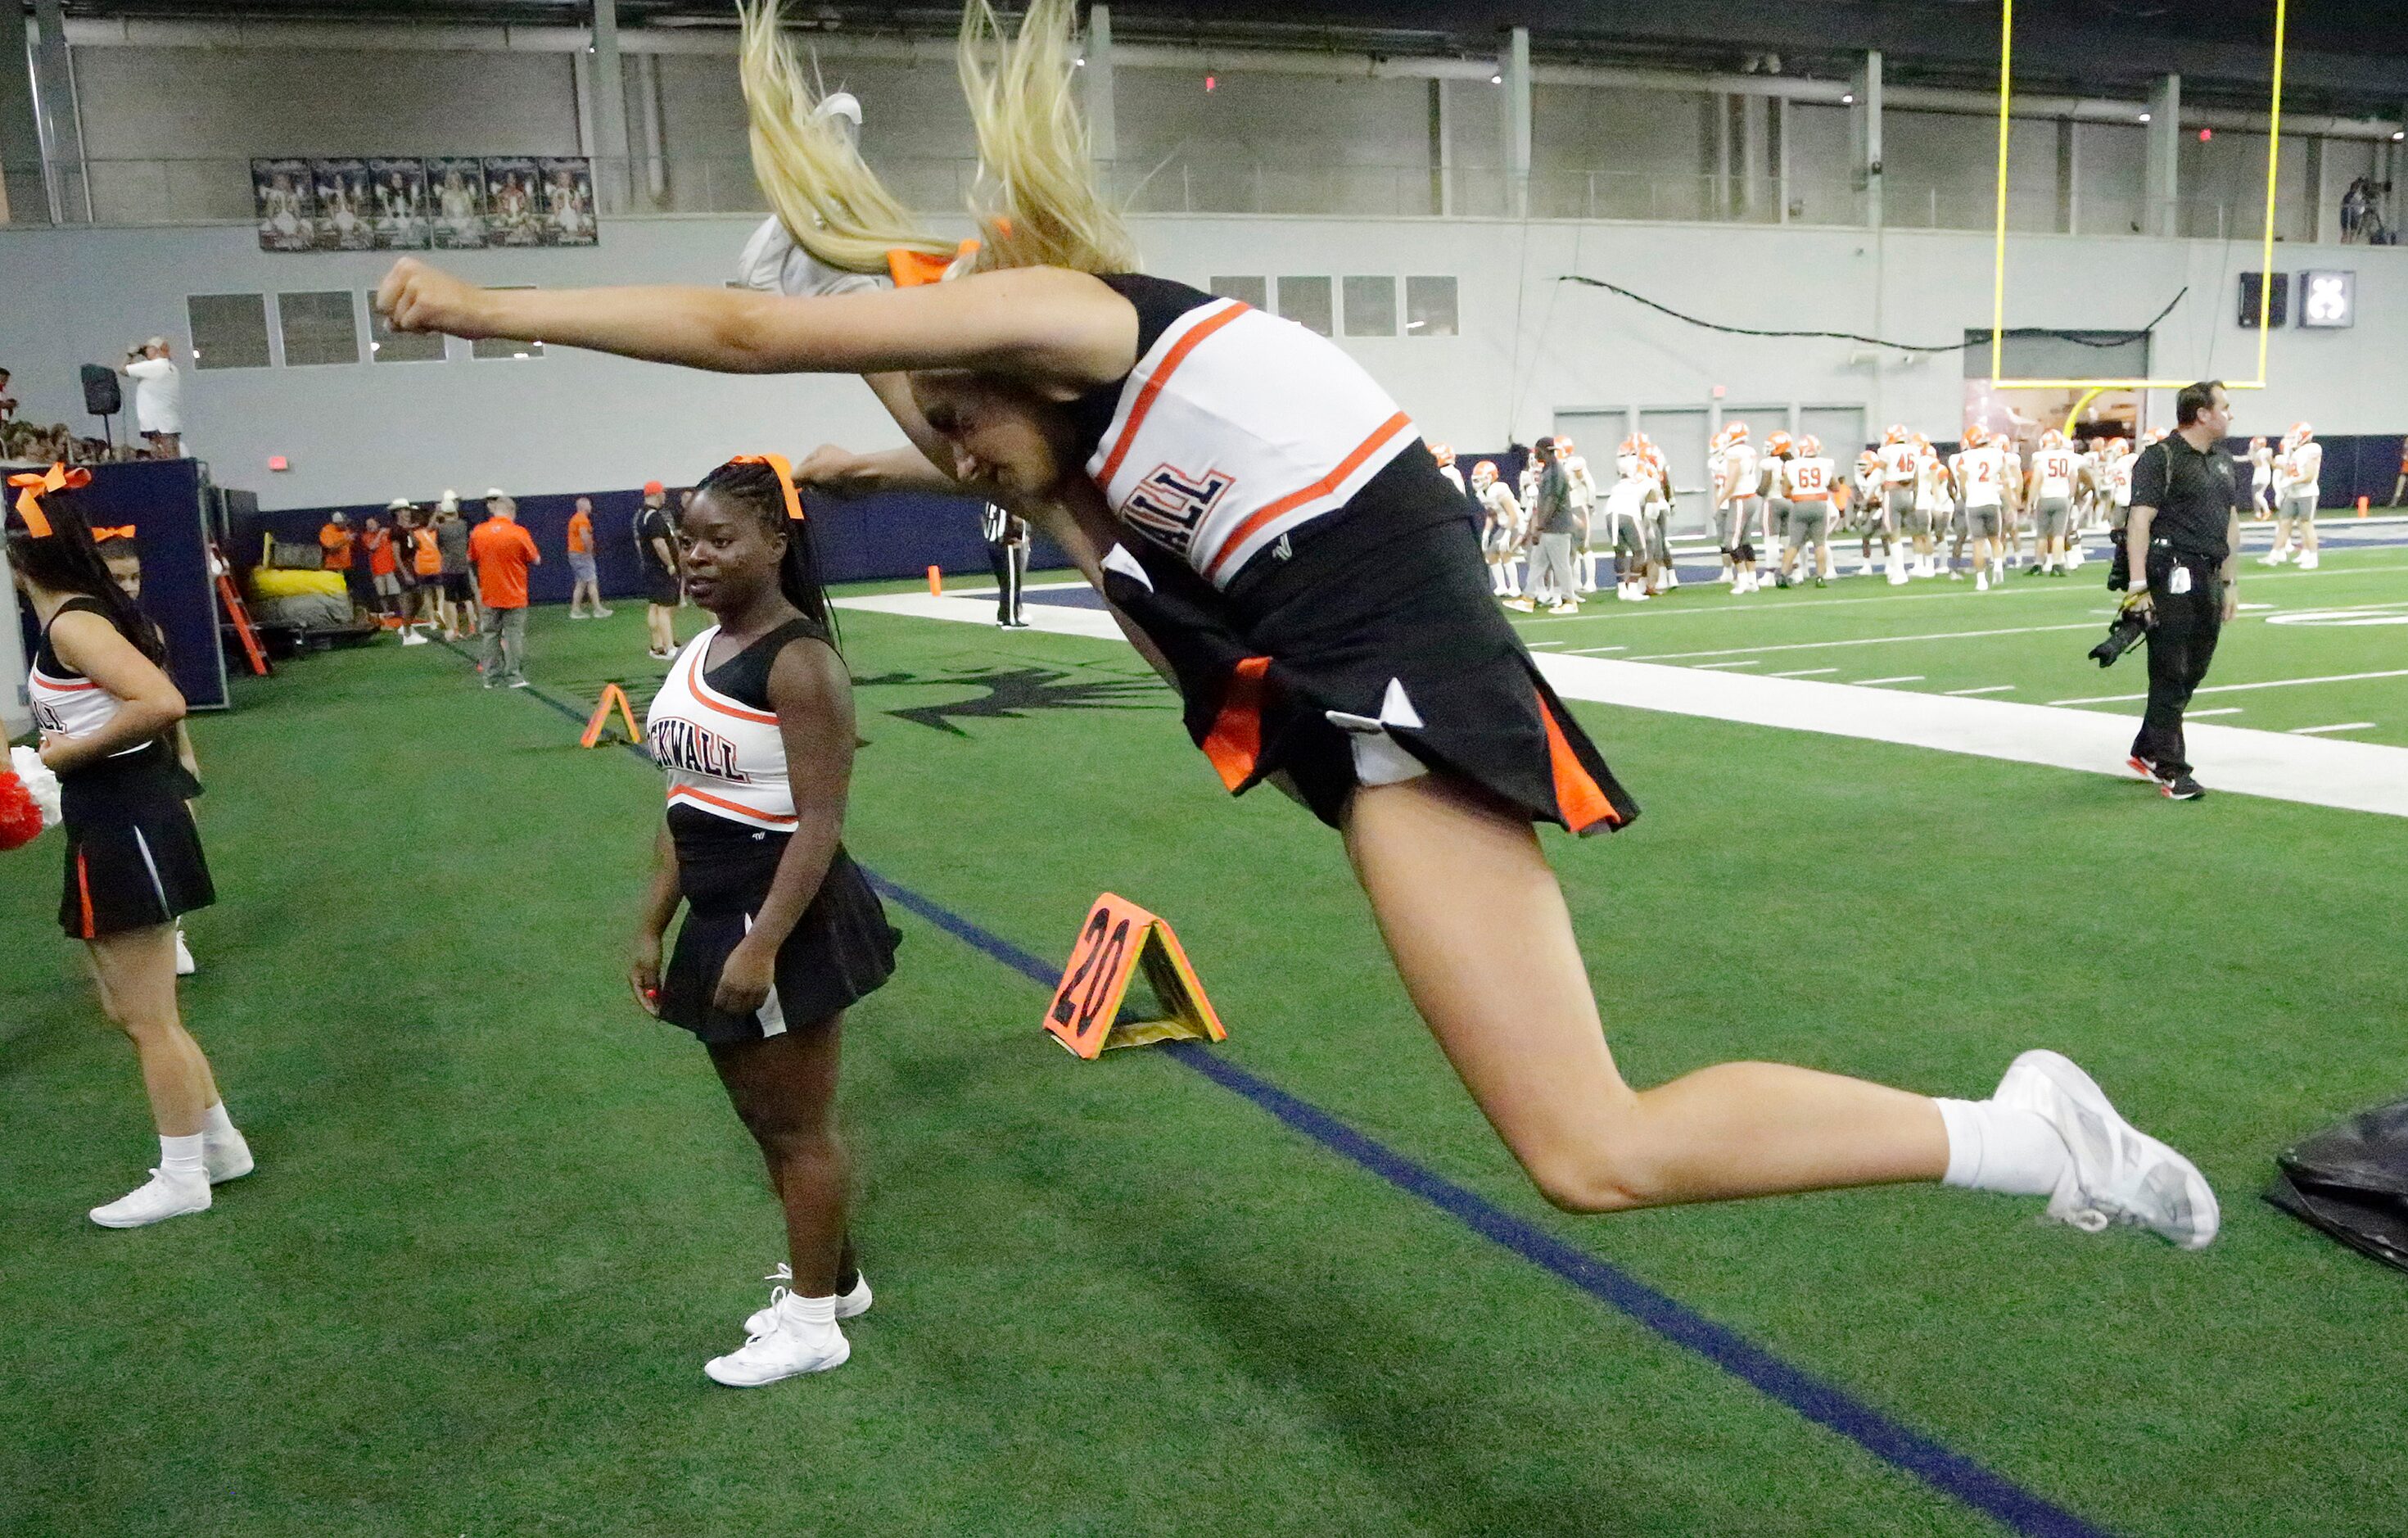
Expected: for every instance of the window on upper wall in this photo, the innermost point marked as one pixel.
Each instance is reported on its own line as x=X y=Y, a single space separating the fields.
x=1252 y=290
x=386 y=345
x=318 y=328
x=496 y=347
x=1306 y=301
x=1429 y=306
x=1371 y=306
x=229 y=330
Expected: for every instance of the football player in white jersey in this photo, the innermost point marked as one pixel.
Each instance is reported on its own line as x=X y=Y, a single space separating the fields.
x=1772 y=532
x=1871 y=509
x=1741 y=503
x=2297 y=478
x=1445 y=457
x=2119 y=461
x=1934 y=503
x=1809 y=483
x=2050 y=483
x=1661 y=575
x=1897 y=471
x=2262 y=478
x=1584 y=500
x=1500 y=529
x=1982 y=468
x=1626 y=513
x=1715 y=457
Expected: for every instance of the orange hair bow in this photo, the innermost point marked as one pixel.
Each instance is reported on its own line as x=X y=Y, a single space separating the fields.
x=912 y=268
x=29 y=498
x=102 y=536
x=785 y=480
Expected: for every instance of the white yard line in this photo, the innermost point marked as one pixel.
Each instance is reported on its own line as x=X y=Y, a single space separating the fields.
x=2344 y=726
x=2278 y=766
x=2226 y=710
x=1803 y=673
x=2235 y=688
x=1902 y=678
x=1984 y=689
x=1861 y=641
x=1750 y=662
x=1592 y=651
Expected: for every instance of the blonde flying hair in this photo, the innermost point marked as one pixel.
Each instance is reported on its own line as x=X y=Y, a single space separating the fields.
x=1035 y=198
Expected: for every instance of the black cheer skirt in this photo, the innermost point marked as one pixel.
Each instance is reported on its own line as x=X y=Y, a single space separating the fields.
x=840 y=951
x=134 y=856
x=1370 y=650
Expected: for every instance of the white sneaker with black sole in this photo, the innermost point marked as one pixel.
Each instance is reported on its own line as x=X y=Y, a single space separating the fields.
x=164 y=1196
x=2119 y=1175
x=791 y=1346
x=849 y=1305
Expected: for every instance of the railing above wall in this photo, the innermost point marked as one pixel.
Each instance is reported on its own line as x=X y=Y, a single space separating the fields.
x=218 y=191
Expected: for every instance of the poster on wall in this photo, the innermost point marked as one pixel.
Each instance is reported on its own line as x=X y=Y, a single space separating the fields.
x=458 y=186
x=567 y=200
x=343 y=220
x=513 y=216
x=401 y=216
x=284 y=193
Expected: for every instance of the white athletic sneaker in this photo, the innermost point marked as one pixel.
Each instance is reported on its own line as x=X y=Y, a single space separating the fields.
x=163 y=1198
x=2308 y=561
x=411 y=637
x=185 y=965
x=2118 y=1174
x=1897 y=576
x=1522 y=605
x=2272 y=557
x=1671 y=579
x=1866 y=570
x=1980 y=582
x=849 y=1305
x=227 y=1158
x=1564 y=605
x=791 y=1346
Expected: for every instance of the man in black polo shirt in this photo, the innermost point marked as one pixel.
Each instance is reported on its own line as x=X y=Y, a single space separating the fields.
x=2183 y=534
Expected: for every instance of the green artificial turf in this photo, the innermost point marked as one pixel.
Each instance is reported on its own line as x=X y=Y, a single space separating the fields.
x=501 y=1218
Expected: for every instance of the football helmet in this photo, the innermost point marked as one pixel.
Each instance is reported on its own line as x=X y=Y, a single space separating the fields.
x=1810 y=446
x=1483 y=474
x=1777 y=445
x=1442 y=454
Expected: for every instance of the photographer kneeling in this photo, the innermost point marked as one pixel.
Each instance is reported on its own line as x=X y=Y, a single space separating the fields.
x=2183 y=534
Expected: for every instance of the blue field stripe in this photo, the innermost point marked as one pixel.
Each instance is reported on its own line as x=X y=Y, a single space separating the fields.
x=1827 y=1405
x=1941 y=1467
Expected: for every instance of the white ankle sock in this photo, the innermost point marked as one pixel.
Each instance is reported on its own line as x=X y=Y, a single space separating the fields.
x=1994 y=1147
x=216 y=1123
x=180 y=1157
x=812 y=1311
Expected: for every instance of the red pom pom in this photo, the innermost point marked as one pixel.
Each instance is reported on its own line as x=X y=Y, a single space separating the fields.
x=21 y=819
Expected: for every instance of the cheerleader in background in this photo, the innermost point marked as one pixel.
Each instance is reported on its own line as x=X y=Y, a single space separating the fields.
x=109 y=715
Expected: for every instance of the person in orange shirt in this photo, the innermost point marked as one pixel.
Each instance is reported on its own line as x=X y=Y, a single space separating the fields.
x=424 y=562
x=384 y=567
x=502 y=553
x=588 y=591
x=335 y=540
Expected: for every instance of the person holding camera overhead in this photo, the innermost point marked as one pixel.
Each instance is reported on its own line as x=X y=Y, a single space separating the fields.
x=2184 y=529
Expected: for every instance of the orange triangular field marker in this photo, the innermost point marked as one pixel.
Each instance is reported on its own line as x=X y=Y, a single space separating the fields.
x=1117 y=939
x=612 y=696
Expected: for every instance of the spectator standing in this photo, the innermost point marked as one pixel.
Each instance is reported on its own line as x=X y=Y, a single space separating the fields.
x=656 y=556
x=458 y=607
x=7 y=401
x=384 y=567
x=588 y=591
x=502 y=552
x=426 y=568
x=158 y=397
x=2399 y=487
x=334 y=540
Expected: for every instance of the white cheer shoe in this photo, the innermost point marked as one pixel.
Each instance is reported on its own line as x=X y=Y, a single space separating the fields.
x=849 y=1305
x=791 y=1346
x=163 y=1198
x=2119 y=1175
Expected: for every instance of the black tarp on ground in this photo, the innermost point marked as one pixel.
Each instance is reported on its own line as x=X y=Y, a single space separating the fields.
x=2352 y=1183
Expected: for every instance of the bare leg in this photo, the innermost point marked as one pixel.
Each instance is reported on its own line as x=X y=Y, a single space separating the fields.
x=1477 y=924
x=784 y=1090
x=137 y=974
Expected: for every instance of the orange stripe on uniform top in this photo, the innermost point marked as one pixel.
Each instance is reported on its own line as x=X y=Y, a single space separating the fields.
x=917 y=268
x=1578 y=795
x=785 y=480
x=1322 y=487
x=1152 y=387
x=1234 y=744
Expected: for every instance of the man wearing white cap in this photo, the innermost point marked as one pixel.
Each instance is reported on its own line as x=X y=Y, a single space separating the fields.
x=502 y=552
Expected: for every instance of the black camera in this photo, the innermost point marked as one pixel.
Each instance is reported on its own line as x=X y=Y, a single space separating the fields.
x=2129 y=625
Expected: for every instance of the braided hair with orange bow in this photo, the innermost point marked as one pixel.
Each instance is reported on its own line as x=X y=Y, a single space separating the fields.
x=764 y=483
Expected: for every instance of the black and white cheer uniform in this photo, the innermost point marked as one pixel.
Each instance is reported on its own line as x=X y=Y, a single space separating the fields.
x=133 y=857
x=1293 y=551
x=731 y=810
